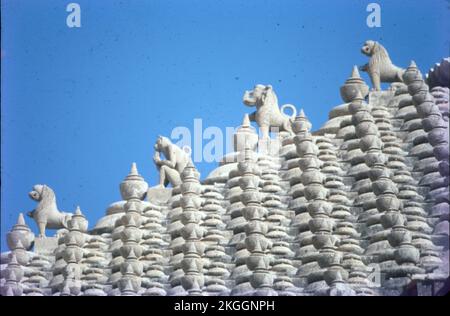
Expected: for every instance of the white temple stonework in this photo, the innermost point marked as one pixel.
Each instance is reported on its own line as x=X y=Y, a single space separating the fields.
x=358 y=207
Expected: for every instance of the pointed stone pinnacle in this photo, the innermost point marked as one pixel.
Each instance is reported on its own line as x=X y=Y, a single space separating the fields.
x=134 y=170
x=413 y=64
x=78 y=211
x=302 y=114
x=20 y=220
x=355 y=73
x=246 y=121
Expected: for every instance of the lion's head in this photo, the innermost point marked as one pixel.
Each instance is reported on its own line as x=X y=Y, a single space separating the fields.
x=258 y=95
x=37 y=193
x=42 y=194
x=368 y=48
x=378 y=53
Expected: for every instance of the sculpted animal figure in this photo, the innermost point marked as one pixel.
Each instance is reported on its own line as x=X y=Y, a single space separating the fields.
x=380 y=67
x=171 y=168
x=268 y=114
x=46 y=214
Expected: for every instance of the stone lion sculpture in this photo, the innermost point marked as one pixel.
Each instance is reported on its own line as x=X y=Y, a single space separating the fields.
x=380 y=67
x=46 y=214
x=268 y=114
x=176 y=160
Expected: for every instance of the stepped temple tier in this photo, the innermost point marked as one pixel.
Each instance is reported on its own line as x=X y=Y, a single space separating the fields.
x=357 y=207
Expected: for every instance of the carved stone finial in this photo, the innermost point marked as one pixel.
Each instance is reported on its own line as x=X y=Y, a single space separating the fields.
x=134 y=185
x=246 y=121
x=245 y=135
x=353 y=86
x=133 y=170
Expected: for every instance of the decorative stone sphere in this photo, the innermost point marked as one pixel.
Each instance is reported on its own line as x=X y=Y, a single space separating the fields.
x=75 y=236
x=407 y=254
x=434 y=120
x=323 y=239
x=191 y=187
x=22 y=256
x=370 y=142
x=20 y=232
x=72 y=270
x=194 y=248
x=388 y=202
x=193 y=281
x=366 y=128
x=248 y=181
x=251 y=196
x=261 y=279
x=129 y=283
x=319 y=207
x=131 y=250
x=131 y=233
x=11 y=289
x=73 y=253
x=375 y=158
x=13 y=266
x=320 y=224
x=398 y=236
x=258 y=262
x=133 y=186
x=312 y=176
x=384 y=186
x=132 y=267
x=254 y=212
x=315 y=192
x=256 y=243
x=326 y=257
x=192 y=231
x=191 y=215
x=192 y=263
x=392 y=219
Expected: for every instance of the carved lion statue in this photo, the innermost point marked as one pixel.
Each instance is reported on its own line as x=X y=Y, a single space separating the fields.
x=268 y=114
x=46 y=214
x=380 y=67
x=176 y=160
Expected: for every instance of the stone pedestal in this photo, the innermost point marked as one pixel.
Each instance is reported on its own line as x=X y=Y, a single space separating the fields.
x=45 y=246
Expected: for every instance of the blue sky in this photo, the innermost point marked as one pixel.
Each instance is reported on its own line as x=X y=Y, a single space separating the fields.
x=80 y=104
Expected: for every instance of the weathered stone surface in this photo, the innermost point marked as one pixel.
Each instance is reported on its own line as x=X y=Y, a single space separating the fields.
x=367 y=193
x=45 y=246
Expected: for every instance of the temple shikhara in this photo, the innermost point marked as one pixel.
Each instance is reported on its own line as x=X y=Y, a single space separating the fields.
x=357 y=207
